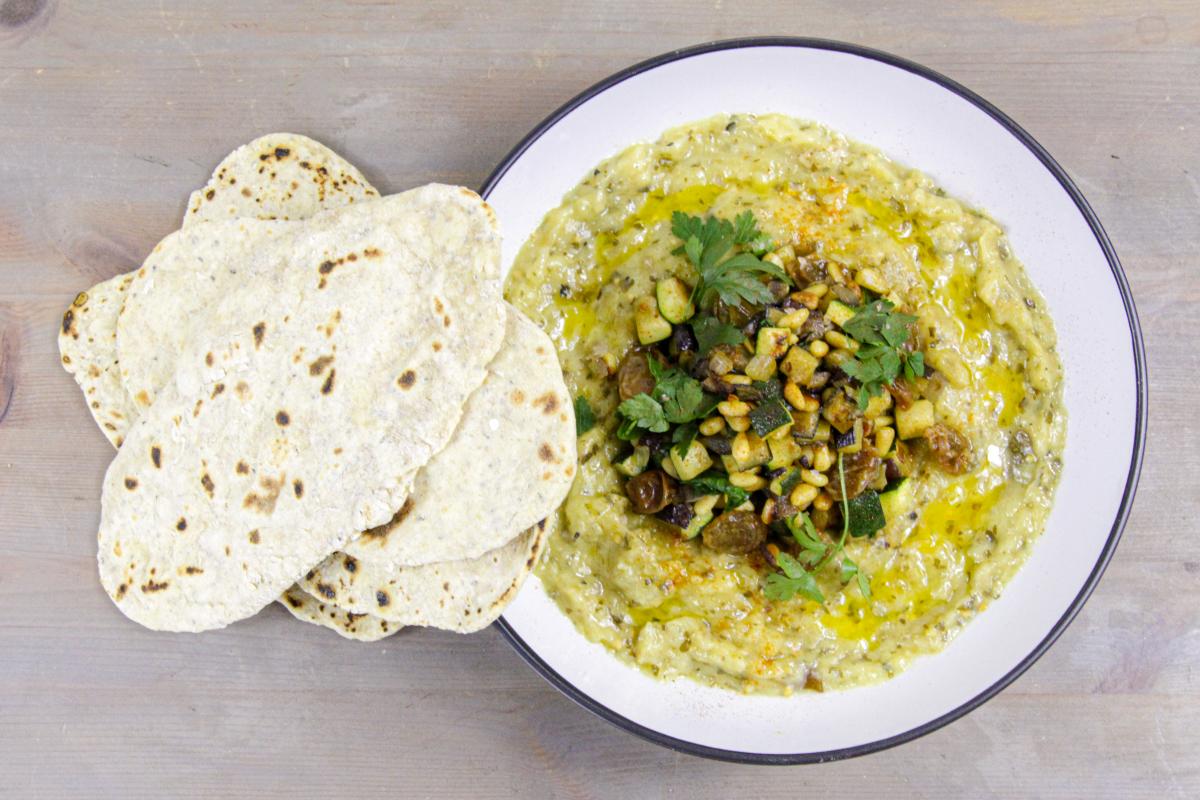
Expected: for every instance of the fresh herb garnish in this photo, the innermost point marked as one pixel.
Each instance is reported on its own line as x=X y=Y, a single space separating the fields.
x=736 y=278
x=585 y=418
x=716 y=483
x=812 y=549
x=680 y=395
x=864 y=582
x=711 y=332
x=815 y=553
x=794 y=580
x=641 y=411
x=746 y=232
x=881 y=333
x=677 y=398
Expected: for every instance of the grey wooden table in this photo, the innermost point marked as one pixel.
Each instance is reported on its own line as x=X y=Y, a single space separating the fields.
x=111 y=112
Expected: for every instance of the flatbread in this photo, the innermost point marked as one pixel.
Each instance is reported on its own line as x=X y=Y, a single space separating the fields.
x=278 y=176
x=275 y=441
x=87 y=341
x=360 y=627
x=87 y=344
x=463 y=596
x=171 y=299
x=515 y=485
x=511 y=486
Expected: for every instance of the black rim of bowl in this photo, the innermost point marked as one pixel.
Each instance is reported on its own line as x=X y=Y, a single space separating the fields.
x=1135 y=463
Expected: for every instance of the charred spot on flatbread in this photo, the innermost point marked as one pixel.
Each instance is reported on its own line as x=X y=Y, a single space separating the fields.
x=265 y=503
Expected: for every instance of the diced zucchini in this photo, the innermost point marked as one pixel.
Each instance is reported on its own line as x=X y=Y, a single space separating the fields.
x=840 y=411
x=768 y=416
x=898 y=501
x=760 y=368
x=852 y=440
x=674 y=300
x=911 y=422
x=692 y=463
x=770 y=390
x=651 y=327
x=635 y=463
x=804 y=424
x=839 y=313
x=703 y=509
x=799 y=365
x=772 y=342
x=784 y=452
x=866 y=514
x=698 y=523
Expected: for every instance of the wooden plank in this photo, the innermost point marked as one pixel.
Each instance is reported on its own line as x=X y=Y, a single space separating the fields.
x=110 y=113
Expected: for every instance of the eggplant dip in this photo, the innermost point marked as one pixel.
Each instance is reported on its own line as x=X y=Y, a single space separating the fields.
x=819 y=406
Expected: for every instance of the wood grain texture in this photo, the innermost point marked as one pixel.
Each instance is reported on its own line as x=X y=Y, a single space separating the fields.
x=110 y=113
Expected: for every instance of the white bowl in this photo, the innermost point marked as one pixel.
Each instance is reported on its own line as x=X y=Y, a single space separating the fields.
x=925 y=120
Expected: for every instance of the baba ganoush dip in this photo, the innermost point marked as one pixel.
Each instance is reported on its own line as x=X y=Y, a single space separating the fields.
x=809 y=483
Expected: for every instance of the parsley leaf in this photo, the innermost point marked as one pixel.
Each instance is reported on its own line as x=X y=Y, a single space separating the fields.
x=642 y=411
x=679 y=395
x=805 y=534
x=711 y=332
x=735 y=279
x=747 y=234
x=794 y=579
x=585 y=418
x=816 y=553
x=881 y=333
x=716 y=483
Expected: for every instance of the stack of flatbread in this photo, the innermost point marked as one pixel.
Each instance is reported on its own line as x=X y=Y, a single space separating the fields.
x=318 y=396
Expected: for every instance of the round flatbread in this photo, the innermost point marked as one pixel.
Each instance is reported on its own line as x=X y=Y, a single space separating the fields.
x=463 y=596
x=87 y=344
x=474 y=496
x=275 y=439
x=360 y=627
x=278 y=176
x=87 y=341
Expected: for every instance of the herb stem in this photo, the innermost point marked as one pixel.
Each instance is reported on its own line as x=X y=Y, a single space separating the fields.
x=841 y=543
